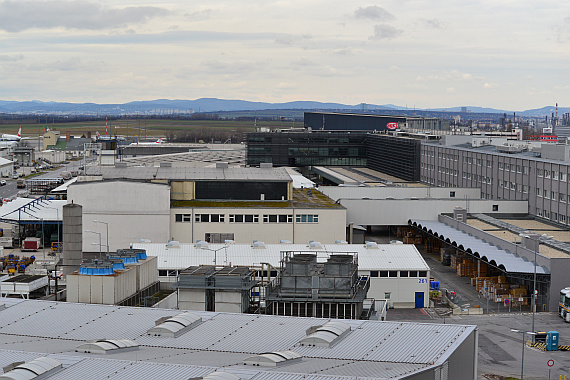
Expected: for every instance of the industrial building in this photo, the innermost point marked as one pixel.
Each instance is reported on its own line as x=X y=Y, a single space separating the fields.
x=501 y=170
x=396 y=156
x=212 y=204
x=484 y=241
x=367 y=122
x=397 y=272
x=98 y=341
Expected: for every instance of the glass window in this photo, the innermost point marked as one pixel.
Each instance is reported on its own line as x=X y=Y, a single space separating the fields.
x=539 y=172
x=413 y=273
x=403 y=273
x=393 y=273
x=495 y=207
x=422 y=273
x=452 y=194
x=562 y=176
x=178 y=218
x=547 y=174
x=387 y=295
x=373 y=273
x=554 y=175
x=383 y=273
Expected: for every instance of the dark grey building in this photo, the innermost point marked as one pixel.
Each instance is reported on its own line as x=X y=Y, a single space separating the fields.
x=366 y=122
x=396 y=156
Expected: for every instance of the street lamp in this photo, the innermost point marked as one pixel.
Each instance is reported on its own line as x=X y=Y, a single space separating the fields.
x=98 y=233
x=106 y=225
x=533 y=303
x=523 y=342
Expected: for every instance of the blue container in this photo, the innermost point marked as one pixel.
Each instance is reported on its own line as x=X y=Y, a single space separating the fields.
x=552 y=340
x=434 y=285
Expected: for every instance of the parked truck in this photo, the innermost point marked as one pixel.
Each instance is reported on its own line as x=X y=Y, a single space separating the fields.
x=21 y=183
x=31 y=244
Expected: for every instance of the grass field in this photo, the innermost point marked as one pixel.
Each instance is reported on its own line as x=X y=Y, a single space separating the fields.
x=146 y=127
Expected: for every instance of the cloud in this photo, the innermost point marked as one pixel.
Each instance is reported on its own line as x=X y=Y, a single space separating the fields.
x=432 y=23
x=11 y=58
x=199 y=15
x=385 y=32
x=564 y=30
x=489 y=85
x=450 y=90
x=16 y=16
x=373 y=12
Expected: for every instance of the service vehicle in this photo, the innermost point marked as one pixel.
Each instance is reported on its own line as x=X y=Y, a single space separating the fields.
x=564 y=304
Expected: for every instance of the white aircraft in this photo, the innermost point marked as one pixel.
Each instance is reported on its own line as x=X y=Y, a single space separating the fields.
x=159 y=141
x=8 y=137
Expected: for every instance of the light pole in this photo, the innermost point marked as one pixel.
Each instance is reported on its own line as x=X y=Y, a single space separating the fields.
x=43 y=245
x=98 y=233
x=106 y=225
x=523 y=344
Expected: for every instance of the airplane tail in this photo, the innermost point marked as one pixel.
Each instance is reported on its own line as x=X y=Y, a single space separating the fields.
x=20 y=131
x=137 y=141
x=98 y=135
x=159 y=141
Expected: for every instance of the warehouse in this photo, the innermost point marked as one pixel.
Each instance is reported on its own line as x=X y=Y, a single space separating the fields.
x=101 y=341
x=397 y=272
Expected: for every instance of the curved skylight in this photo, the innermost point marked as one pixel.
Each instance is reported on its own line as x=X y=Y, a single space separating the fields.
x=32 y=369
x=272 y=359
x=104 y=346
x=326 y=335
x=175 y=326
x=220 y=375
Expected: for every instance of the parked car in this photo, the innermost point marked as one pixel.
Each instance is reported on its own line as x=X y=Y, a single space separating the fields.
x=3 y=182
x=15 y=175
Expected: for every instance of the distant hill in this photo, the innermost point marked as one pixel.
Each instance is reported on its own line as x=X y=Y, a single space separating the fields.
x=167 y=106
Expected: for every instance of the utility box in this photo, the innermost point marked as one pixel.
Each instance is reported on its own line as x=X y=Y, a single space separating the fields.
x=552 y=341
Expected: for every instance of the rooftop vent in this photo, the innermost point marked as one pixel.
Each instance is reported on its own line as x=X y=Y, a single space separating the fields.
x=371 y=245
x=229 y=241
x=341 y=242
x=273 y=359
x=201 y=244
x=105 y=346
x=325 y=335
x=220 y=375
x=258 y=244
x=173 y=244
x=39 y=367
x=221 y=165
x=172 y=327
x=97 y=268
x=145 y=241
x=315 y=245
x=285 y=242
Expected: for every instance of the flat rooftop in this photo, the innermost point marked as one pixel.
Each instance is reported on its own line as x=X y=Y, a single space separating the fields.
x=182 y=173
x=198 y=158
x=302 y=198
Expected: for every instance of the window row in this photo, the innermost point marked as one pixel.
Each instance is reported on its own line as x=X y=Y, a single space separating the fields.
x=551 y=174
x=246 y=218
x=396 y=273
x=552 y=216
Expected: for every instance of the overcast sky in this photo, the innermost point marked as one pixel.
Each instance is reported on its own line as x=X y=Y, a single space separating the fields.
x=506 y=54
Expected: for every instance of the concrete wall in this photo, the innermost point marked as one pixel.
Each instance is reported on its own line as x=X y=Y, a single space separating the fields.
x=375 y=212
x=192 y=299
x=146 y=271
x=229 y=302
x=381 y=192
x=402 y=290
x=132 y=210
x=7 y=170
x=331 y=225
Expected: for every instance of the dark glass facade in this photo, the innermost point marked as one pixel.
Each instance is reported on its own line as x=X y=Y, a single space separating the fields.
x=349 y=122
x=241 y=190
x=396 y=156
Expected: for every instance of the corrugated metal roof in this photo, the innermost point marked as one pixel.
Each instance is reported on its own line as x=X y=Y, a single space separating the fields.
x=386 y=256
x=48 y=210
x=372 y=348
x=511 y=262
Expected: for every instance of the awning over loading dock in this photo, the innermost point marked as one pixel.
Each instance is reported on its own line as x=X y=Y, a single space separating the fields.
x=492 y=254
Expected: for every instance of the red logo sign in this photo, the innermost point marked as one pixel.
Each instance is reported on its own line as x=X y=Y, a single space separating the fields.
x=392 y=125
